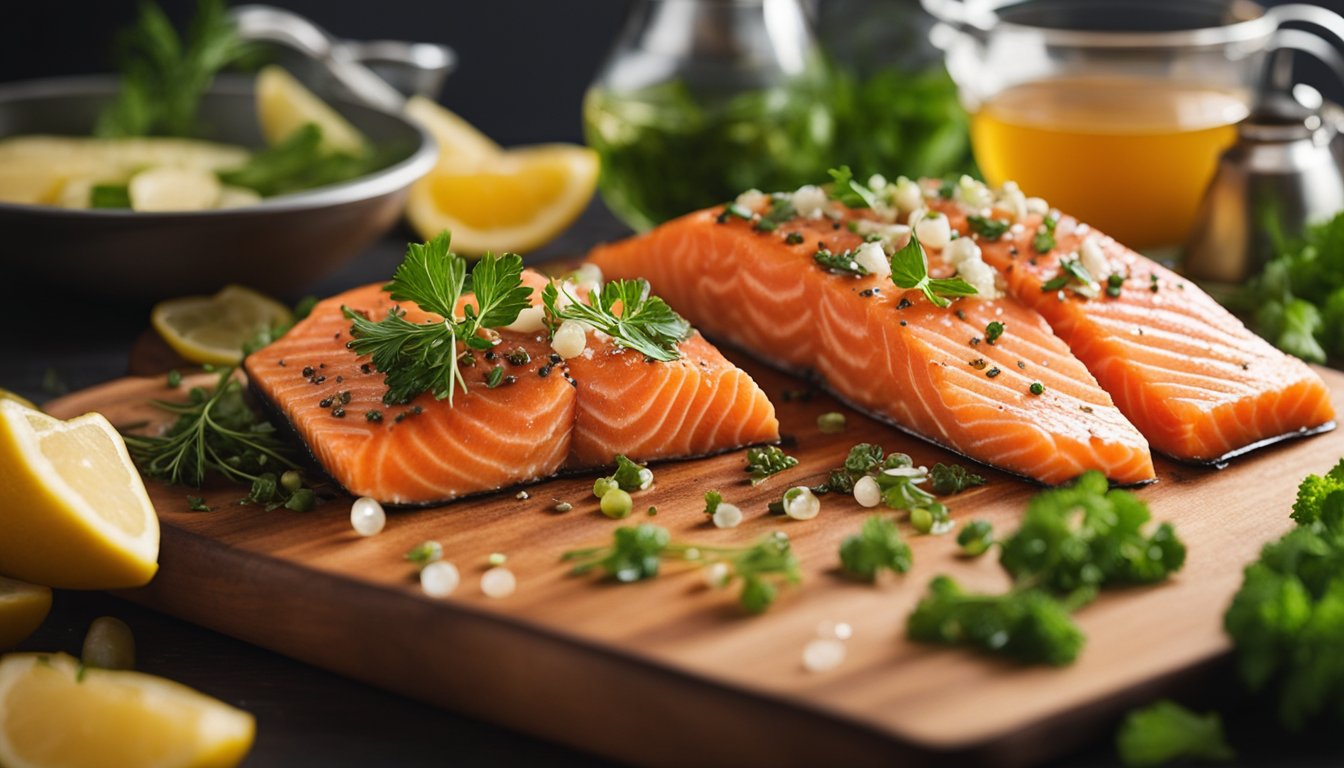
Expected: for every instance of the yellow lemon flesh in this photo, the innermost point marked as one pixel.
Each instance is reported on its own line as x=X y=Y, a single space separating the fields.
x=5 y=394
x=284 y=106
x=76 y=514
x=213 y=329
x=455 y=136
x=22 y=610
x=516 y=200
x=52 y=714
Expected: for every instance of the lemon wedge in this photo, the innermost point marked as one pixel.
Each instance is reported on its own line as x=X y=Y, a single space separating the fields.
x=5 y=394
x=52 y=714
x=455 y=136
x=516 y=200
x=22 y=610
x=213 y=329
x=284 y=106
x=76 y=514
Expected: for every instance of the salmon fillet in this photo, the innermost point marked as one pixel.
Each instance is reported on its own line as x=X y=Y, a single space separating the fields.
x=1194 y=380
x=541 y=419
x=928 y=370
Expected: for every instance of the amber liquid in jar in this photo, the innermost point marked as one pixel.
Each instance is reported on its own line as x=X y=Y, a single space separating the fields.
x=1129 y=156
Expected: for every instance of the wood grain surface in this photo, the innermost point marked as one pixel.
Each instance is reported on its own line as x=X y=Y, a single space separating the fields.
x=670 y=671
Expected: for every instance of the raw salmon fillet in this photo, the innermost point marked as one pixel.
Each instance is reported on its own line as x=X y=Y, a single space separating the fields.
x=1194 y=380
x=544 y=419
x=929 y=370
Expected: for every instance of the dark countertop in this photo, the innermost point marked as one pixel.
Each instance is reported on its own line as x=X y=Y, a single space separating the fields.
x=307 y=716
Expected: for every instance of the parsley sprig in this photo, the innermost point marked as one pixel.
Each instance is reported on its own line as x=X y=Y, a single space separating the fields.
x=637 y=553
x=1073 y=275
x=849 y=191
x=624 y=310
x=910 y=271
x=423 y=357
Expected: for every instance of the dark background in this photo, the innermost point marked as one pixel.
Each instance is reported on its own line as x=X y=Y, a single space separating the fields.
x=522 y=69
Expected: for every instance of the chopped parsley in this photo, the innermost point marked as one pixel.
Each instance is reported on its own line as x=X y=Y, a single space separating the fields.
x=766 y=461
x=1036 y=388
x=842 y=262
x=849 y=191
x=950 y=479
x=1165 y=732
x=993 y=331
x=989 y=229
x=1073 y=275
x=878 y=546
x=1044 y=241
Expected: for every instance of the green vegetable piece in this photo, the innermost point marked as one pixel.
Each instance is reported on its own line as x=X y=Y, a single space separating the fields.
x=712 y=501
x=630 y=476
x=110 y=196
x=1044 y=241
x=831 y=423
x=109 y=644
x=634 y=555
x=302 y=500
x=174 y=379
x=1036 y=388
x=1027 y=626
x=604 y=485
x=876 y=547
x=1081 y=538
x=843 y=262
x=424 y=553
x=993 y=331
x=910 y=271
x=950 y=479
x=975 y=538
x=563 y=506
x=766 y=461
x=197 y=504
x=291 y=481
x=617 y=504
x=1166 y=731
x=495 y=377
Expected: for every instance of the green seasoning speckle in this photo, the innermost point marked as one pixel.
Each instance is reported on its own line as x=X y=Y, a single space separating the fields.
x=992 y=372
x=1113 y=285
x=794 y=238
x=494 y=377
x=989 y=229
x=518 y=356
x=1044 y=242
x=174 y=379
x=831 y=423
x=993 y=331
x=842 y=262
x=733 y=210
x=1036 y=388
x=1153 y=284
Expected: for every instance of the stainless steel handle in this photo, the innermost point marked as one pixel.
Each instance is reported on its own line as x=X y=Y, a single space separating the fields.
x=1312 y=43
x=276 y=25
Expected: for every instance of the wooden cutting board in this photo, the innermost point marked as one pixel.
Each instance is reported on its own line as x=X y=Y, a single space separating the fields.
x=670 y=671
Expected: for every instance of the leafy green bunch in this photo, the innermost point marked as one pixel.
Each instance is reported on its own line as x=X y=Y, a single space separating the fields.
x=637 y=553
x=1073 y=541
x=1298 y=301
x=1287 y=620
x=626 y=311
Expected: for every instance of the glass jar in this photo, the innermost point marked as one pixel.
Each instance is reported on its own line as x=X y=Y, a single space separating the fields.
x=702 y=99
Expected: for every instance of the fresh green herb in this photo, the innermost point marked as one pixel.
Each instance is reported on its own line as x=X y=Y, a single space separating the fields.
x=1075 y=276
x=424 y=553
x=1083 y=537
x=850 y=192
x=1036 y=388
x=1298 y=301
x=910 y=271
x=110 y=196
x=712 y=501
x=1285 y=621
x=794 y=238
x=1044 y=241
x=301 y=500
x=603 y=485
x=832 y=422
x=766 y=461
x=993 y=331
x=1073 y=541
x=416 y=358
x=1114 y=284
x=1028 y=626
x=495 y=377
x=301 y=161
x=652 y=512
x=164 y=76
x=876 y=547
x=975 y=538
x=1154 y=283
x=645 y=323
x=637 y=553
x=989 y=229
x=842 y=262
x=197 y=504
x=781 y=211
x=733 y=210
x=1166 y=731
x=630 y=476
x=216 y=431
x=931 y=518
x=374 y=415
x=174 y=379
x=949 y=479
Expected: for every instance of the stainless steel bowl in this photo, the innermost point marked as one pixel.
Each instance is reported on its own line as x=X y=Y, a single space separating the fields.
x=278 y=245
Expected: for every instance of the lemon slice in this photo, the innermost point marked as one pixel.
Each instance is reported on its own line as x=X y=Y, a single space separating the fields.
x=213 y=329
x=516 y=200
x=455 y=136
x=22 y=609
x=76 y=514
x=5 y=394
x=284 y=106
x=53 y=714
